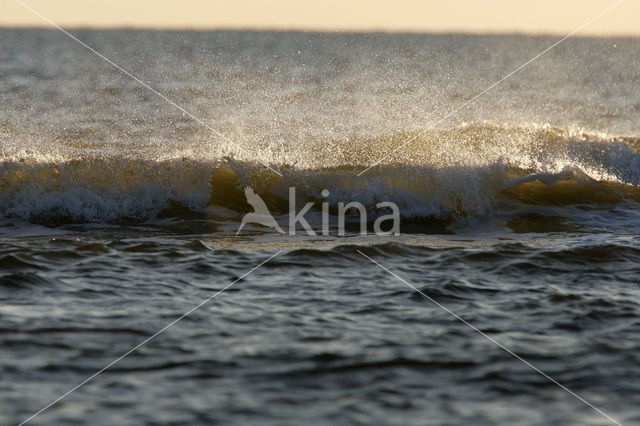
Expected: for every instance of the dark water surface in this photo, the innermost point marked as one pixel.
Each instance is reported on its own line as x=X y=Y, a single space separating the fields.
x=321 y=335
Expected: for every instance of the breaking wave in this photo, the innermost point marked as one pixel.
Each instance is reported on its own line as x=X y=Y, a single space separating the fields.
x=452 y=174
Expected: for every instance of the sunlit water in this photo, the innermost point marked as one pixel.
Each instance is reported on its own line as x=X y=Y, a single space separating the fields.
x=118 y=213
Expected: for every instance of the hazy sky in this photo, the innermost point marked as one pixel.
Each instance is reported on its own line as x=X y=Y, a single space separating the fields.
x=530 y=16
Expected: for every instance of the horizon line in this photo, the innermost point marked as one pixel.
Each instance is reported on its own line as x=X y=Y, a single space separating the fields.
x=318 y=30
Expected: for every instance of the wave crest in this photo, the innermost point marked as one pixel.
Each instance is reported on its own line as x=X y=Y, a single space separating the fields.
x=448 y=174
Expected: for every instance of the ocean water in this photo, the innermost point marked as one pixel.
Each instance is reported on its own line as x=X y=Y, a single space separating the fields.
x=520 y=214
